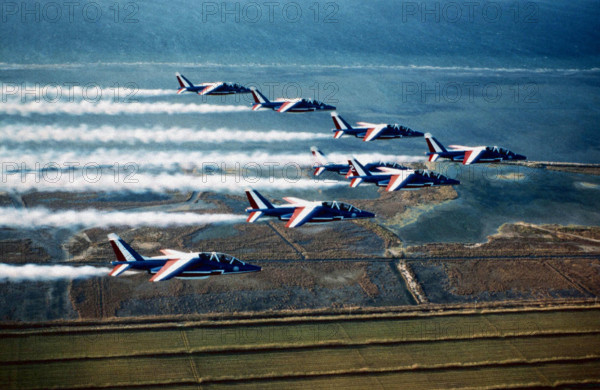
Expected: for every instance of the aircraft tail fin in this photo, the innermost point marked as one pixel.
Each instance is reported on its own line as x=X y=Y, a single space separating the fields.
x=319 y=160
x=123 y=251
x=182 y=87
x=339 y=122
x=183 y=81
x=181 y=84
x=434 y=145
x=340 y=125
x=358 y=167
x=318 y=155
x=259 y=98
x=257 y=201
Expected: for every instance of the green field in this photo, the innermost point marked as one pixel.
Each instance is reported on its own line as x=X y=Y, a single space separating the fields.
x=493 y=348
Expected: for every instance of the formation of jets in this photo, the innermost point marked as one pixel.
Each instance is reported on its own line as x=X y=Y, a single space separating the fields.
x=299 y=211
x=175 y=264
x=391 y=175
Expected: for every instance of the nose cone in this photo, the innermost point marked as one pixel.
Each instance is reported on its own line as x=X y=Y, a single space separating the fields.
x=252 y=268
x=328 y=107
x=520 y=157
x=367 y=214
x=452 y=182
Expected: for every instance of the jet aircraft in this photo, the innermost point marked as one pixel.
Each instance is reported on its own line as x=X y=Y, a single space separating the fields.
x=371 y=131
x=287 y=105
x=218 y=88
x=469 y=154
x=299 y=211
x=321 y=164
x=395 y=179
x=175 y=264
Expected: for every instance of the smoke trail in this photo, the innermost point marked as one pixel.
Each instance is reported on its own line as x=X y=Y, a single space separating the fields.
x=37 y=217
x=114 y=108
x=175 y=159
x=14 y=66
x=150 y=92
x=53 y=92
x=35 y=272
x=104 y=181
x=130 y=136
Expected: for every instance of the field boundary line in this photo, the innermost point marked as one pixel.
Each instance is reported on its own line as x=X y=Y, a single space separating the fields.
x=365 y=371
x=569 y=280
x=339 y=344
x=186 y=345
x=75 y=327
x=295 y=246
x=435 y=367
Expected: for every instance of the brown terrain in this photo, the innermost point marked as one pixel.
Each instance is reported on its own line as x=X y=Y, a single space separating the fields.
x=343 y=265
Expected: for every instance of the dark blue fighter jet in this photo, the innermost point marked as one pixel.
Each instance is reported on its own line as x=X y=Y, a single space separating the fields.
x=322 y=164
x=287 y=105
x=175 y=264
x=299 y=211
x=469 y=154
x=217 y=88
x=394 y=178
x=370 y=131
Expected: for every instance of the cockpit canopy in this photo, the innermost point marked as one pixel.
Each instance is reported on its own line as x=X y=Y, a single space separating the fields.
x=341 y=206
x=391 y=165
x=501 y=151
x=221 y=258
x=313 y=102
x=401 y=128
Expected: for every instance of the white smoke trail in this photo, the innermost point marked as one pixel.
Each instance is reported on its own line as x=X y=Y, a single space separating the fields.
x=37 y=217
x=130 y=136
x=35 y=272
x=105 y=181
x=177 y=159
x=15 y=66
x=114 y=108
x=67 y=92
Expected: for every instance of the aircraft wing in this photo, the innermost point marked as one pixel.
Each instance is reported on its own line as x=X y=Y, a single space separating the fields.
x=173 y=268
x=302 y=215
x=288 y=105
x=292 y=200
x=460 y=147
x=373 y=132
x=393 y=171
x=399 y=181
x=473 y=155
x=173 y=253
x=210 y=88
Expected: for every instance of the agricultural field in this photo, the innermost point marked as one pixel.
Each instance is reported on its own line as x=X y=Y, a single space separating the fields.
x=387 y=348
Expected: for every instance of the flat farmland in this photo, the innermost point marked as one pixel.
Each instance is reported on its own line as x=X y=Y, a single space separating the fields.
x=454 y=348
